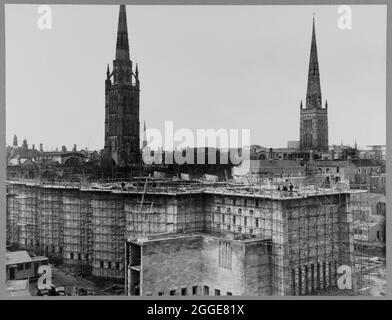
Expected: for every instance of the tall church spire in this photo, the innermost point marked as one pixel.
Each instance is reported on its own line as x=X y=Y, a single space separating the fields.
x=313 y=117
x=122 y=127
x=122 y=46
x=313 y=95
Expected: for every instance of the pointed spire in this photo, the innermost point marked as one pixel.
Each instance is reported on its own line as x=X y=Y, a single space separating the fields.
x=122 y=46
x=326 y=103
x=313 y=96
x=300 y=104
x=108 y=72
x=356 y=146
x=137 y=72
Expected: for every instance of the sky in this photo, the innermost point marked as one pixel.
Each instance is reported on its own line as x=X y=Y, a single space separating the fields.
x=231 y=67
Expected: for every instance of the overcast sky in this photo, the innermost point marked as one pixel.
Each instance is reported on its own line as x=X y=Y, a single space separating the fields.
x=200 y=66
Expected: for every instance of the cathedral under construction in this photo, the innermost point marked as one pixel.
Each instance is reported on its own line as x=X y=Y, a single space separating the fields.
x=165 y=236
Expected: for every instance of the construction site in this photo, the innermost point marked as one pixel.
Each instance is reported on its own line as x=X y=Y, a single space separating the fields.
x=283 y=224
x=173 y=237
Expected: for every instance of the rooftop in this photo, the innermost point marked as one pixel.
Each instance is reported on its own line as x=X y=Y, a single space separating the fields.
x=17 y=257
x=170 y=187
x=175 y=236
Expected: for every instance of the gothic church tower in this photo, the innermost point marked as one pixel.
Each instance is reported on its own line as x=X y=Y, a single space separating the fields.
x=122 y=85
x=314 y=118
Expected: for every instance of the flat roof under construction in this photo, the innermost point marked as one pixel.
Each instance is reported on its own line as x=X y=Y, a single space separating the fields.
x=238 y=190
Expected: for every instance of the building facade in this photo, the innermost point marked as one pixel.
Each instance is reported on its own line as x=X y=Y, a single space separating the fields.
x=314 y=117
x=293 y=244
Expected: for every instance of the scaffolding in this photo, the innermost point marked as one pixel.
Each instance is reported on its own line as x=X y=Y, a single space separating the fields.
x=308 y=232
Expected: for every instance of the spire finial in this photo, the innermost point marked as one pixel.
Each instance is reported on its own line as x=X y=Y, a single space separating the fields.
x=122 y=45
x=313 y=96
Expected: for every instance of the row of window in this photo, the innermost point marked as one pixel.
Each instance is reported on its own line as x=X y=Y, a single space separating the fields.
x=234 y=220
x=316 y=276
x=195 y=291
x=234 y=229
x=110 y=265
x=240 y=201
x=24 y=266
x=370 y=170
x=228 y=210
x=225 y=254
x=78 y=256
x=37 y=244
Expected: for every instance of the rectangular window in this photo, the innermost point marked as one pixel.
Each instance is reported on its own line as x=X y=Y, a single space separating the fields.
x=71 y=256
x=79 y=256
x=225 y=254
x=110 y=265
x=28 y=266
x=233 y=219
x=239 y=229
x=194 y=290
x=245 y=221
x=20 y=266
x=160 y=293
x=217 y=292
x=257 y=222
x=102 y=265
x=172 y=292
x=223 y=218
x=251 y=212
x=118 y=265
x=206 y=291
x=239 y=210
x=229 y=293
x=184 y=291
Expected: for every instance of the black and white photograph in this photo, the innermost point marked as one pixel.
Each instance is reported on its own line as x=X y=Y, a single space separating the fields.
x=192 y=151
